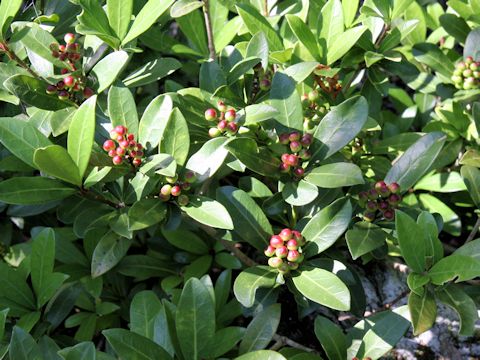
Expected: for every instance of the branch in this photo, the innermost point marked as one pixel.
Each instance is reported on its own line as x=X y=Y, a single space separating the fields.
x=12 y=56
x=283 y=340
x=89 y=195
x=474 y=230
x=208 y=26
x=231 y=246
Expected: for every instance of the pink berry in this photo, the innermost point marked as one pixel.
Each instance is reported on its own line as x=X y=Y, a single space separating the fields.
x=232 y=127
x=293 y=255
x=281 y=252
x=112 y=153
x=120 y=151
x=69 y=38
x=394 y=188
x=284 y=168
x=230 y=115
x=292 y=244
x=120 y=129
x=292 y=160
x=306 y=140
x=299 y=172
x=176 y=190
x=295 y=146
x=108 y=145
x=275 y=262
x=285 y=234
x=276 y=241
x=297 y=235
x=294 y=136
x=210 y=114
x=221 y=106
x=283 y=139
x=222 y=125
x=117 y=160
x=69 y=81
x=87 y=92
x=285 y=158
x=137 y=162
x=269 y=251
x=124 y=144
x=51 y=89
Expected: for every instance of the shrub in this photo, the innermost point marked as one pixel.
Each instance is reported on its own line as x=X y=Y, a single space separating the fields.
x=194 y=179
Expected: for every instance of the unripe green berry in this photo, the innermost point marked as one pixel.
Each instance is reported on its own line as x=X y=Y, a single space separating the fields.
x=275 y=262
x=313 y=95
x=183 y=200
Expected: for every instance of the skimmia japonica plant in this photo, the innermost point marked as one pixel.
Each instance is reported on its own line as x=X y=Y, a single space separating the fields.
x=184 y=179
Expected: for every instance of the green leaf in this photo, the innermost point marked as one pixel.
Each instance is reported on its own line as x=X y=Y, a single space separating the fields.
x=209 y=158
x=150 y=12
x=212 y=76
x=257 y=113
x=93 y=21
x=119 y=13
x=145 y=213
x=132 y=346
x=175 y=138
x=416 y=282
x=433 y=57
x=152 y=71
x=261 y=330
x=121 y=108
x=423 y=311
x=184 y=7
x=195 y=320
x=33 y=190
x=83 y=351
x=186 y=240
x=363 y=238
x=471 y=177
x=144 y=309
x=455 y=26
x=433 y=246
x=23 y=346
x=107 y=70
x=258 y=159
x=193 y=27
x=33 y=92
x=416 y=161
x=208 y=212
x=249 y=221
x=454 y=267
x=81 y=133
x=225 y=340
x=330 y=23
x=339 y=127
x=154 y=118
x=21 y=139
x=453 y=296
x=471 y=249
x=241 y=67
x=304 y=34
x=261 y=355
x=452 y=222
x=258 y=46
x=8 y=10
x=15 y=288
x=472 y=47
x=343 y=43
x=331 y=337
x=110 y=249
x=335 y=175
x=44 y=281
x=441 y=182
x=255 y=23
x=327 y=226
x=286 y=100
x=54 y=160
x=250 y=280
x=413 y=248
x=299 y=193
x=323 y=287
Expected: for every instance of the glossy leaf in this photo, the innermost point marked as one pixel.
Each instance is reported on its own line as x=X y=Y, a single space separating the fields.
x=471 y=177
x=285 y=99
x=152 y=71
x=145 y=213
x=454 y=267
x=108 y=252
x=8 y=10
x=122 y=109
x=144 y=309
x=119 y=14
x=154 y=118
x=331 y=338
x=335 y=175
x=107 y=70
x=261 y=330
x=363 y=238
x=175 y=138
x=208 y=212
x=249 y=281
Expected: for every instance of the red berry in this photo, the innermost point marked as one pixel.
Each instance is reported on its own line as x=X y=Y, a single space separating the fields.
x=112 y=153
x=394 y=199
x=139 y=146
x=292 y=244
x=61 y=48
x=108 y=145
x=281 y=252
x=299 y=172
x=120 y=129
x=284 y=168
x=468 y=59
x=76 y=87
x=69 y=81
x=87 y=92
x=117 y=160
x=64 y=71
x=297 y=235
x=285 y=158
x=389 y=215
x=222 y=125
x=383 y=205
x=120 y=151
x=394 y=188
x=132 y=143
x=292 y=160
x=265 y=84
x=294 y=136
x=63 y=95
x=130 y=137
x=283 y=139
x=285 y=234
x=232 y=127
x=372 y=194
x=295 y=146
x=293 y=255
x=176 y=190
x=230 y=115
x=306 y=140
x=371 y=205
x=137 y=162
x=51 y=89
x=123 y=143
x=210 y=114
x=139 y=154
x=221 y=106
x=269 y=251
x=69 y=38
x=276 y=241
x=60 y=85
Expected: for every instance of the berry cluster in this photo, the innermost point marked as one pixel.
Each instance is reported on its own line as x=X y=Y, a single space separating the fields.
x=174 y=188
x=382 y=197
x=263 y=77
x=313 y=109
x=225 y=121
x=285 y=250
x=467 y=74
x=71 y=84
x=122 y=146
x=298 y=145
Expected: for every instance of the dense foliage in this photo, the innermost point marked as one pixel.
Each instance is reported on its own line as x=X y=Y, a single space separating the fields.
x=195 y=179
